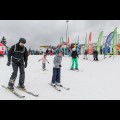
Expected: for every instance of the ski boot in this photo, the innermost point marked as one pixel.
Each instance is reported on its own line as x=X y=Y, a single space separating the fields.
x=21 y=87
x=72 y=69
x=76 y=69
x=59 y=84
x=10 y=87
x=53 y=84
x=44 y=69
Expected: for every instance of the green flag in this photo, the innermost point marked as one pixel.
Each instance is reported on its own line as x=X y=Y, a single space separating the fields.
x=115 y=41
x=85 y=46
x=60 y=39
x=99 y=42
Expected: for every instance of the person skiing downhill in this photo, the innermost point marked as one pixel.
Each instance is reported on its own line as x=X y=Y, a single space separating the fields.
x=74 y=56
x=44 y=60
x=57 y=69
x=19 y=55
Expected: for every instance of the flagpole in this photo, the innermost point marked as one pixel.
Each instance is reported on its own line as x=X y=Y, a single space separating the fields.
x=67 y=21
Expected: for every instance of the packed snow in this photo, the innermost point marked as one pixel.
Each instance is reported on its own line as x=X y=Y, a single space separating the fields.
x=98 y=81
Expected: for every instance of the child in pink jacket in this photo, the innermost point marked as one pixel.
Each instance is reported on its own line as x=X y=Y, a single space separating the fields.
x=44 y=60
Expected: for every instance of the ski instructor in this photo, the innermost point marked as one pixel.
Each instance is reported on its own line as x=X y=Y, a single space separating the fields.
x=19 y=55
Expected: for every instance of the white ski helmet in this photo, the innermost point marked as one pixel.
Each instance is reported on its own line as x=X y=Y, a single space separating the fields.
x=73 y=49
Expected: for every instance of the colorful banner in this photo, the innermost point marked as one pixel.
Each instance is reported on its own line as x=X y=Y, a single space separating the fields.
x=75 y=45
x=90 y=44
x=68 y=41
x=99 y=42
x=78 y=46
x=108 y=41
x=61 y=40
x=85 y=46
x=114 y=41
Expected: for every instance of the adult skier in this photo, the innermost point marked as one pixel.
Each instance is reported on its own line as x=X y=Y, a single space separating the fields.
x=95 y=55
x=19 y=55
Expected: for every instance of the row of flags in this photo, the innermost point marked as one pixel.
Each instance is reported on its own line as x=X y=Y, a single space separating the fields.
x=88 y=42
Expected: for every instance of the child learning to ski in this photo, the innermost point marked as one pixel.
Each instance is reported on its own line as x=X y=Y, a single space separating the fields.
x=74 y=56
x=44 y=60
x=57 y=69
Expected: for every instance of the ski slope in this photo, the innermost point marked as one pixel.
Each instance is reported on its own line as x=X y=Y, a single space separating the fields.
x=98 y=81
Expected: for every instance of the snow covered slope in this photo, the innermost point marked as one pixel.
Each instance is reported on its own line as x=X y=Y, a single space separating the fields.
x=98 y=81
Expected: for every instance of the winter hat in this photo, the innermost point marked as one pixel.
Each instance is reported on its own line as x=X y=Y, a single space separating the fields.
x=60 y=51
x=22 y=40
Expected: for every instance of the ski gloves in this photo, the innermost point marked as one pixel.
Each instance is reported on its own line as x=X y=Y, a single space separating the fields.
x=25 y=64
x=9 y=63
x=60 y=65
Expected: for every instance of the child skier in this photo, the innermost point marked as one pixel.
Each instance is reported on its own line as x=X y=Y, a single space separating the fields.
x=74 y=56
x=44 y=60
x=57 y=69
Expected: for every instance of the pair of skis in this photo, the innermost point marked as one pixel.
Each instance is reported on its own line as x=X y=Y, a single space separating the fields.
x=77 y=70
x=19 y=95
x=58 y=87
x=45 y=70
x=30 y=93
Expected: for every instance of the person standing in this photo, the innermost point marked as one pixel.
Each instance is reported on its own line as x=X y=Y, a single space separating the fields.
x=95 y=55
x=75 y=57
x=47 y=51
x=57 y=69
x=19 y=55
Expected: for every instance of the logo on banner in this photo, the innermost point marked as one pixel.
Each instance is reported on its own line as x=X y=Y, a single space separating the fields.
x=2 y=48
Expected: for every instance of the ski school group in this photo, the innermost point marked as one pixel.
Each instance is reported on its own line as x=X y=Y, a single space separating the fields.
x=18 y=57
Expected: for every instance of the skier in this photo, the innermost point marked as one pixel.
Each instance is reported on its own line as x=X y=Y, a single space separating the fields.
x=95 y=55
x=19 y=55
x=74 y=56
x=47 y=51
x=51 y=52
x=85 y=55
x=58 y=49
x=118 y=52
x=44 y=60
x=101 y=50
x=57 y=69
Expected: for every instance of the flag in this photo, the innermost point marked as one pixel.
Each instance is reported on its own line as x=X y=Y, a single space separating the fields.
x=99 y=42
x=114 y=41
x=85 y=46
x=68 y=41
x=108 y=41
x=75 y=45
x=60 y=40
x=90 y=44
x=78 y=46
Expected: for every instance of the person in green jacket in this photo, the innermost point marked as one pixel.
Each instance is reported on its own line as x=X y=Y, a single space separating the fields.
x=75 y=57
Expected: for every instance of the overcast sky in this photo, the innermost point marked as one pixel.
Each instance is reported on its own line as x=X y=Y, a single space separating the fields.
x=44 y=32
